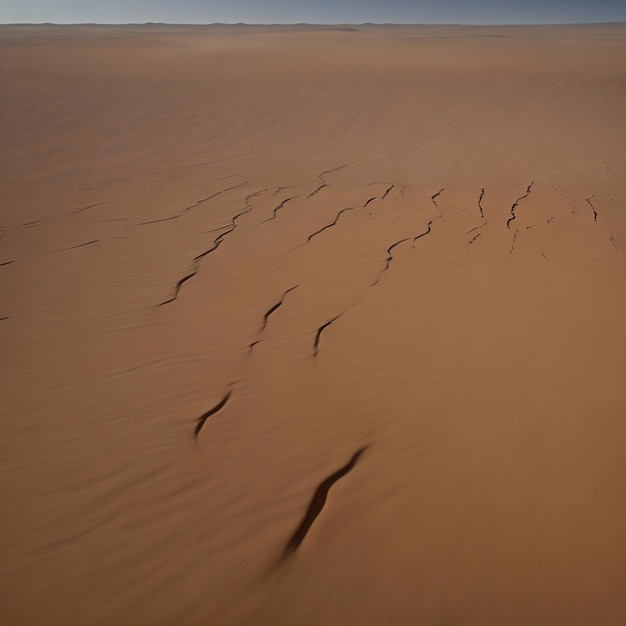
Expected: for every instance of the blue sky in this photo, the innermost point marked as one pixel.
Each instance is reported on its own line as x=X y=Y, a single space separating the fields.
x=313 y=11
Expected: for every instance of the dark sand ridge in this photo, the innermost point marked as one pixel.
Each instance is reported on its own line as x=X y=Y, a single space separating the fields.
x=422 y=234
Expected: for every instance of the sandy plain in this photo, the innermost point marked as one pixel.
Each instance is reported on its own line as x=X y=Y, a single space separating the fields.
x=313 y=326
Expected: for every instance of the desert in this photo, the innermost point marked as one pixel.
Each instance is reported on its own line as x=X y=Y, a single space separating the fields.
x=313 y=325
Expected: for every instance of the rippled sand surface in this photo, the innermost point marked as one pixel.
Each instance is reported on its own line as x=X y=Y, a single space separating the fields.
x=313 y=326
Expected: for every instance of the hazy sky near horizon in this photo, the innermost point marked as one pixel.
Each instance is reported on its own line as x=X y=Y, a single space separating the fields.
x=313 y=11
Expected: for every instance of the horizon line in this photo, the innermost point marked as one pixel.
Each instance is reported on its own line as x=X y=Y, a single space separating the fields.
x=311 y=23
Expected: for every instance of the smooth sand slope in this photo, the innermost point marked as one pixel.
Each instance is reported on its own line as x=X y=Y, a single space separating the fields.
x=313 y=326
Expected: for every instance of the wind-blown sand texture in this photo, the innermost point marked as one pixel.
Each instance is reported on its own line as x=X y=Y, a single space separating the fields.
x=313 y=326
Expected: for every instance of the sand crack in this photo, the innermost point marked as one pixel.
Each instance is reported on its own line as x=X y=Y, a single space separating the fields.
x=216 y=244
x=318 y=335
x=324 y=181
x=389 y=258
x=426 y=232
x=192 y=206
x=278 y=208
x=205 y=416
x=434 y=199
x=513 y=215
x=333 y=223
x=317 y=503
x=595 y=214
x=482 y=213
x=266 y=316
x=387 y=192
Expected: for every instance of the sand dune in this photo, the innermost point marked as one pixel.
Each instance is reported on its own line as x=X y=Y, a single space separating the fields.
x=311 y=326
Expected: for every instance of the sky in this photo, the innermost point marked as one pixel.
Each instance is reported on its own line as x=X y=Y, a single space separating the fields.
x=312 y=11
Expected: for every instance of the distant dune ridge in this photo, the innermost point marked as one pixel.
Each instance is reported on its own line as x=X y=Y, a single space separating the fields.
x=313 y=325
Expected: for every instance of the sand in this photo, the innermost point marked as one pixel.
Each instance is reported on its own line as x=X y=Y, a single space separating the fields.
x=313 y=326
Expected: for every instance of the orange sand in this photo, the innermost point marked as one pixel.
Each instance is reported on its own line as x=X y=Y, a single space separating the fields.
x=452 y=200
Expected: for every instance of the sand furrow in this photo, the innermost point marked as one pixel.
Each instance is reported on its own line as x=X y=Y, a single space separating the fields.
x=89 y=206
